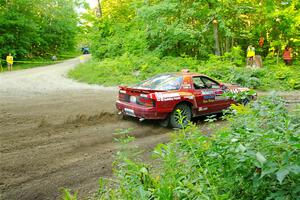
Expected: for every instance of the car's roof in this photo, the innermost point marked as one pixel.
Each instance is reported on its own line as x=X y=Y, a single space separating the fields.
x=184 y=74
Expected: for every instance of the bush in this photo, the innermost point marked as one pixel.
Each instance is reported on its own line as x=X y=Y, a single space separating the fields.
x=128 y=68
x=256 y=157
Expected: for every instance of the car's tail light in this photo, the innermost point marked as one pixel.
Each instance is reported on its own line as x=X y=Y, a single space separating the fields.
x=123 y=96
x=144 y=101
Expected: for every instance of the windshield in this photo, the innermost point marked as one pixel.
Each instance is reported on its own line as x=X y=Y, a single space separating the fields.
x=162 y=82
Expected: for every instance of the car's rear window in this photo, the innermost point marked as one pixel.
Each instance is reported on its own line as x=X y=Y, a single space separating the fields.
x=162 y=82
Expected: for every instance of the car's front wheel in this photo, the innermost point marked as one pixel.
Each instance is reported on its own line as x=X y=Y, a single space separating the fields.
x=180 y=116
x=245 y=101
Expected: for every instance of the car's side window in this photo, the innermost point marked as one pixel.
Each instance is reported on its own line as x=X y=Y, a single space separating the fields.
x=198 y=83
x=210 y=84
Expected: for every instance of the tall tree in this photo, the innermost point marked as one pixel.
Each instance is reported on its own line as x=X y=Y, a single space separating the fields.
x=33 y=28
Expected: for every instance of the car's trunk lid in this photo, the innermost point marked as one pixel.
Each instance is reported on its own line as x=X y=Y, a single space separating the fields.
x=140 y=96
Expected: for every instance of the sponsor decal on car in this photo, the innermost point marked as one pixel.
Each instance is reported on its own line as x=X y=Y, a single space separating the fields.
x=202 y=108
x=218 y=92
x=189 y=97
x=221 y=98
x=144 y=95
x=167 y=96
x=186 y=86
x=208 y=100
x=209 y=96
x=207 y=92
x=186 y=95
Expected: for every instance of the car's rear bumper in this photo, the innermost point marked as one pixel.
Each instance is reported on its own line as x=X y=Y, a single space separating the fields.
x=138 y=111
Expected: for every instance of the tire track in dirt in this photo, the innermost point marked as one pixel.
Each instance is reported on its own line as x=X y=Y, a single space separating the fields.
x=57 y=133
x=37 y=156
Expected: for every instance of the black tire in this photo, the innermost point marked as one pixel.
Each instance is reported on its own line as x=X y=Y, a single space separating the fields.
x=245 y=101
x=186 y=112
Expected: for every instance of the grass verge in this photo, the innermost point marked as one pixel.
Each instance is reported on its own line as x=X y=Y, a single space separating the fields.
x=130 y=69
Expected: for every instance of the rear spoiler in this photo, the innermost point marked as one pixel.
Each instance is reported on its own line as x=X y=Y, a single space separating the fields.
x=139 y=90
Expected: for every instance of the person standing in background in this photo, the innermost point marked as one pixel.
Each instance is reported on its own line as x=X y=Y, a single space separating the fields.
x=250 y=55
x=10 y=61
x=287 y=55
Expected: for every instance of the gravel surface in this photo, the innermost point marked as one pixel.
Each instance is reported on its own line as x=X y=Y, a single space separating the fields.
x=57 y=133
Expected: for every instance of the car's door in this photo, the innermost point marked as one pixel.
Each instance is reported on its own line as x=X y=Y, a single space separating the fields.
x=220 y=102
x=208 y=94
x=205 y=94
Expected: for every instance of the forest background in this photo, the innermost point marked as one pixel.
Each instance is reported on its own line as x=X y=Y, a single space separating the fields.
x=131 y=40
x=37 y=29
x=134 y=39
x=255 y=156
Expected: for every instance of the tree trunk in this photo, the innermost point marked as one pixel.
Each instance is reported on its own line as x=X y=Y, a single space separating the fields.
x=278 y=56
x=221 y=44
x=227 y=47
x=216 y=37
x=99 y=8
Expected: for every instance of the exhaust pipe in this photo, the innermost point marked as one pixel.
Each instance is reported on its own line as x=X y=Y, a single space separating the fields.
x=141 y=119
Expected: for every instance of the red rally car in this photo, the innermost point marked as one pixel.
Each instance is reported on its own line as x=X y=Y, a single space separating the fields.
x=160 y=96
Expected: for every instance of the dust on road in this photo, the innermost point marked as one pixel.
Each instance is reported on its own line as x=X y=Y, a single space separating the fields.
x=57 y=133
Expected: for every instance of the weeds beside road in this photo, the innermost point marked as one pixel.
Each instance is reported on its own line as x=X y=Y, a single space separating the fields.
x=255 y=157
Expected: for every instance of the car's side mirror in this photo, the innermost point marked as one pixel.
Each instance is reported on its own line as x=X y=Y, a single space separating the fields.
x=223 y=87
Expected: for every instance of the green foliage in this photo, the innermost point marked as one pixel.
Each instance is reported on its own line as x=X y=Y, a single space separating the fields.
x=68 y=195
x=243 y=97
x=255 y=157
x=130 y=69
x=31 y=28
x=180 y=28
x=136 y=39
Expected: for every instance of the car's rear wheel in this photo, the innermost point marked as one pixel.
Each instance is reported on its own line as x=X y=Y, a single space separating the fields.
x=180 y=116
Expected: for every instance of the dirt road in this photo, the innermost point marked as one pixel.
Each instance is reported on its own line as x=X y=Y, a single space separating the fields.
x=57 y=133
